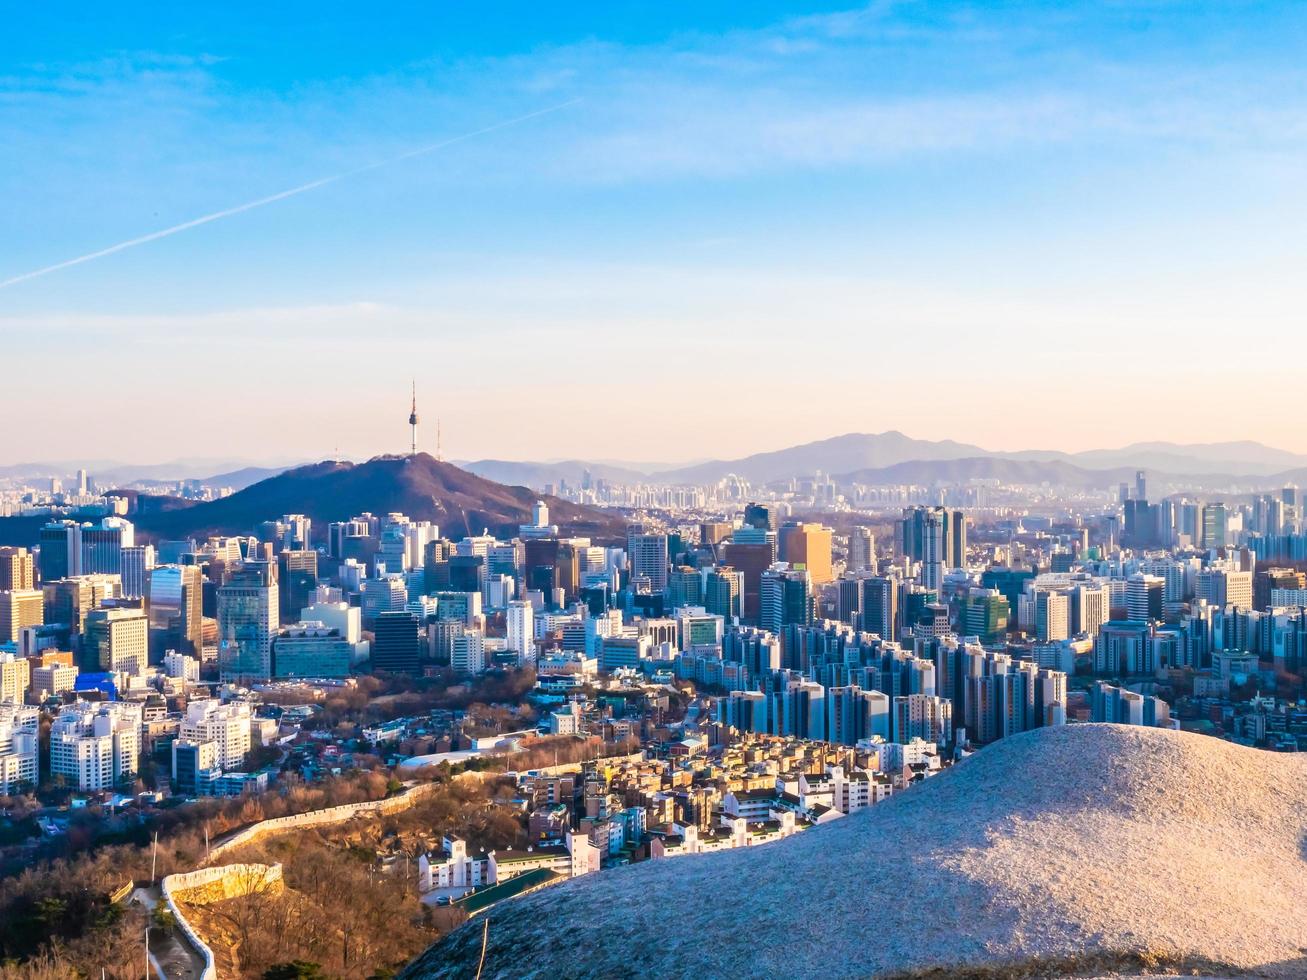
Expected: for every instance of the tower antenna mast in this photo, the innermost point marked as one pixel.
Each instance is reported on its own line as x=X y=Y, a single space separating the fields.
x=413 y=418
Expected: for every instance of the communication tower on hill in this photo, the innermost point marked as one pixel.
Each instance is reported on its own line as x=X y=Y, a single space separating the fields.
x=413 y=419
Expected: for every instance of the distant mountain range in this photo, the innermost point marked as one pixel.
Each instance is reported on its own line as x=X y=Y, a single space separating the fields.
x=869 y=457
x=216 y=472
x=237 y=479
x=419 y=486
x=895 y=457
x=538 y=474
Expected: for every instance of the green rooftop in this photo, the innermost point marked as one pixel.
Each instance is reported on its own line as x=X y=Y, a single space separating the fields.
x=481 y=900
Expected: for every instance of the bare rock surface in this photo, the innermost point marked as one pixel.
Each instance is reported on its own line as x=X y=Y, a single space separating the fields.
x=1077 y=848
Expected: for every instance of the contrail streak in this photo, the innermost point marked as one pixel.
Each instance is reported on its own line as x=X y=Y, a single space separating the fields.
x=279 y=196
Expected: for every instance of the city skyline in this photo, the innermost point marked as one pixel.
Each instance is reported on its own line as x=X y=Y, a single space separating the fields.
x=1093 y=204
x=1235 y=458
x=460 y=460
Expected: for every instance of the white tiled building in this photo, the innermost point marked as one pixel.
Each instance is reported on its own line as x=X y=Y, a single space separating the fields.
x=53 y=679
x=19 y=728
x=452 y=868
x=227 y=725
x=15 y=676
x=95 y=746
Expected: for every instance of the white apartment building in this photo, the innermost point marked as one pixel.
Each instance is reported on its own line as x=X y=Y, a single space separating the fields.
x=182 y=667
x=521 y=631
x=858 y=789
x=19 y=735
x=227 y=725
x=566 y=720
x=575 y=857
x=452 y=868
x=96 y=746
x=468 y=652
x=732 y=831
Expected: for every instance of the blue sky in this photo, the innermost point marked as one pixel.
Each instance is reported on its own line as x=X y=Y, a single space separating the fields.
x=1021 y=225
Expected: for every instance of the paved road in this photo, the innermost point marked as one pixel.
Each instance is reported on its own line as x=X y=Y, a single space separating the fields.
x=173 y=956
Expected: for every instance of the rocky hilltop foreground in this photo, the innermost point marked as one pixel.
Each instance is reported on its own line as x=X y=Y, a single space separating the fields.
x=1088 y=847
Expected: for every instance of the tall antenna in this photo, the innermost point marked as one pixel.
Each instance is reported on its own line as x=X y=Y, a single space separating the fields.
x=413 y=418
x=440 y=458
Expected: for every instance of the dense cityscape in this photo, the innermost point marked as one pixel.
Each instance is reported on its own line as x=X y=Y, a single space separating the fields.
x=724 y=665
x=778 y=490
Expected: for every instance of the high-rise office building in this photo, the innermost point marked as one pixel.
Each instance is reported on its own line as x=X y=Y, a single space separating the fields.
x=722 y=591
x=1052 y=615
x=880 y=607
x=713 y=533
x=936 y=537
x=116 y=640
x=751 y=551
x=195 y=766
x=984 y=615
x=1221 y=587
x=350 y=539
x=68 y=600
x=862 y=549
x=396 y=645
x=1215 y=524
x=15 y=677
x=520 y=623
x=297 y=578
x=311 y=649
x=467 y=652
x=19 y=608
x=383 y=595
x=785 y=596
x=248 y=619
x=764 y=517
x=61 y=550
x=684 y=588
x=807 y=546
x=1091 y=607
x=1144 y=596
x=137 y=560
x=848 y=601
x=103 y=544
x=648 y=553
x=1269 y=580
x=175 y=606
x=17 y=570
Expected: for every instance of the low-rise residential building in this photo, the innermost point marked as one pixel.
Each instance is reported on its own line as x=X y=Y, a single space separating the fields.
x=453 y=868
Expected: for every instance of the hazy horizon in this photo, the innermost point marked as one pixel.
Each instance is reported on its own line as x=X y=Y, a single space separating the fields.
x=232 y=232
x=278 y=460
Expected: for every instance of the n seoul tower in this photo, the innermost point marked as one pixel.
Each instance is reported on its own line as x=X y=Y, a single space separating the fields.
x=413 y=419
